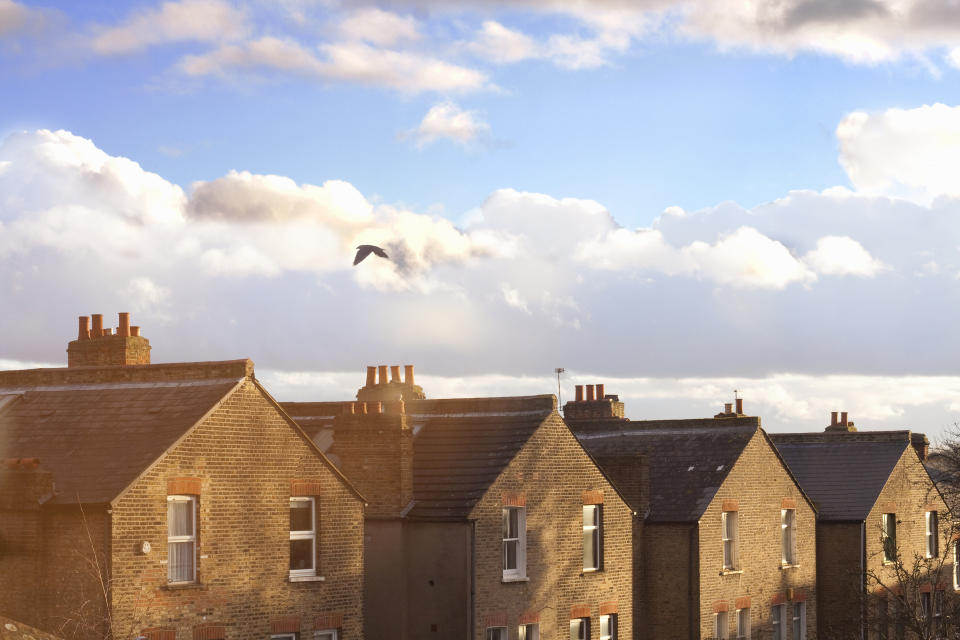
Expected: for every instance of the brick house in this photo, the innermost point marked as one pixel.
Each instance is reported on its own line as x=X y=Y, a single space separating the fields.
x=727 y=548
x=487 y=519
x=170 y=501
x=875 y=500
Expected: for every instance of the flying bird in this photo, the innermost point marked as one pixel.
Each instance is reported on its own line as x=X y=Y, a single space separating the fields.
x=366 y=249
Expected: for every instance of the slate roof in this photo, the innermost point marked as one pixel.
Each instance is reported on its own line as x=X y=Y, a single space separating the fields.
x=97 y=438
x=458 y=456
x=688 y=459
x=842 y=473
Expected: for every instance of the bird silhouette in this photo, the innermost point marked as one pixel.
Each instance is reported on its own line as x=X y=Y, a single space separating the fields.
x=366 y=249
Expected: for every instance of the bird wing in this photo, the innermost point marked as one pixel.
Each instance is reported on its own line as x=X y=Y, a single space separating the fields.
x=362 y=252
x=380 y=252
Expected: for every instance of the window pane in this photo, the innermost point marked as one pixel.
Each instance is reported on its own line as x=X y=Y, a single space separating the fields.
x=578 y=629
x=510 y=554
x=301 y=515
x=589 y=549
x=329 y=634
x=301 y=554
x=180 y=517
x=180 y=561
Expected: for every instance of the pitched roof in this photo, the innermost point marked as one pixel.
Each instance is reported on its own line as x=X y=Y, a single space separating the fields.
x=843 y=473
x=97 y=437
x=11 y=629
x=458 y=455
x=688 y=459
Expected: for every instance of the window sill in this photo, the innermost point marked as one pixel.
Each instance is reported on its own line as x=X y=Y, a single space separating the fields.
x=506 y=579
x=730 y=572
x=586 y=571
x=177 y=586
x=307 y=578
x=784 y=567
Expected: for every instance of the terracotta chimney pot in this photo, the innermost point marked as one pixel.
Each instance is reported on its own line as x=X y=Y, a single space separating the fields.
x=97 y=329
x=84 y=331
x=395 y=373
x=739 y=406
x=383 y=374
x=124 y=328
x=135 y=331
x=408 y=374
x=600 y=395
x=579 y=389
x=833 y=418
x=371 y=376
x=843 y=418
x=590 y=395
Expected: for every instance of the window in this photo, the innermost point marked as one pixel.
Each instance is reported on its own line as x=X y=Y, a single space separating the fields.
x=181 y=538
x=580 y=629
x=799 y=620
x=326 y=634
x=889 y=536
x=728 y=525
x=284 y=636
x=939 y=625
x=956 y=565
x=743 y=623
x=779 y=624
x=529 y=632
x=496 y=633
x=720 y=625
x=883 y=618
x=788 y=536
x=608 y=627
x=514 y=543
x=303 y=537
x=932 y=530
x=592 y=537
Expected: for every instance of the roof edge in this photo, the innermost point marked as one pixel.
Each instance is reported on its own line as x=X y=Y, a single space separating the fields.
x=164 y=372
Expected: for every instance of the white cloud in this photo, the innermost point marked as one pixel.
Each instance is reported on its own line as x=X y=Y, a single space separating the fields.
x=503 y=45
x=842 y=256
x=13 y=16
x=344 y=61
x=178 y=21
x=513 y=298
x=906 y=152
x=379 y=27
x=447 y=120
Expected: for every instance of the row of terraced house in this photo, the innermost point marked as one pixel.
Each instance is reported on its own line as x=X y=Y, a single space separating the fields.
x=183 y=502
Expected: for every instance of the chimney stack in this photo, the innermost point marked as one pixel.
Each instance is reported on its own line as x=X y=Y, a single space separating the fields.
x=599 y=392
x=842 y=424
x=408 y=374
x=84 y=331
x=590 y=396
x=579 y=389
x=833 y=418
x=739 y=406
x=843 y=418
x=728 y=407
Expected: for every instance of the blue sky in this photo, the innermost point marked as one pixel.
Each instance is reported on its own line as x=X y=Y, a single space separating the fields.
x=676 y=197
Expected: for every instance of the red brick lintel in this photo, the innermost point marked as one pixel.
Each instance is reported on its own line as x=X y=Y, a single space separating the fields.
x=579 y=611
x=495 y=620
x=304 y=488
x=593 y=497
x=888 y=507
x=720 y=605
x=606 y=608
x=184 y=486
x=730 y=505
x=514 y=499
x=332 y=620
x=788 y=503
x=285 y=624
x=743 y=602
x=529 y=617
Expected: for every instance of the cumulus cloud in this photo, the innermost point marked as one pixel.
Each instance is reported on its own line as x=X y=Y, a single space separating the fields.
x=347 y=61
x=842 y=256
x=447 y=120
x=178 y=21
x=379 y=27
x=907 y=152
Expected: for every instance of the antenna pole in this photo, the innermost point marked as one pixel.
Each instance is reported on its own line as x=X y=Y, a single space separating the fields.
x=558 y=371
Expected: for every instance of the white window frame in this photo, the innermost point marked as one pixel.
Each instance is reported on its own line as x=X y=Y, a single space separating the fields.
x=608 y=627
x=595 y=531
x=956 y=565
x=721 y=625
x=326 y=634
x=283 y=636
x=496 y=633
x=729 y=520
x=778 y=619
x=520 y=571
x=798 y=615
x=788 y=537
x=887 y=520
x=743 y=623
x=931 y=523
x=529 y=631
x=305 y=534
x=192 y=538
x=580 y=629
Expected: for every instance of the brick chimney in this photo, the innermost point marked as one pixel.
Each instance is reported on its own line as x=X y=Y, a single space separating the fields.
x=730 y=412
x=841 y=425
x=391 y=389
x=97 y=346
x=921 y=443
x=597 y=405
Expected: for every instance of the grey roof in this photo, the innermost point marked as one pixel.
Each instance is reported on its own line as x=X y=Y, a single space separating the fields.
x=689 y=459
x=842 y=473
x=97 y=438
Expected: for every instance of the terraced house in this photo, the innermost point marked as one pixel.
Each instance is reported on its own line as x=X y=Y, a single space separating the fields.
x=879 y=513
x=487 y=518
x=727 y=547
x=169 y=501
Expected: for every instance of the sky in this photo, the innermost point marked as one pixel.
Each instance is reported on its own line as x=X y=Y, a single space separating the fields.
x=675 y=198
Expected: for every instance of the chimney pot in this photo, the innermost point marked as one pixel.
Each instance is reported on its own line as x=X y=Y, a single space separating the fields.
x=135 y=331
x=408 y=374
x=106 y=332
x=590 y=395
x=97 y=329
x=383 y=374
x=833 y=418
x=349 y=408
x=728 y=407
x=363 y=408
x=378 y=407
x=371 y=376
x=124 y=328
x=84 y=331
x=739 y=406
x=395 y=374
x=579 y=389
x=843 y=418
x=600 y=392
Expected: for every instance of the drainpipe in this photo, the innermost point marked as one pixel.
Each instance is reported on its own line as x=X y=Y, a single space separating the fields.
x=863 y=579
